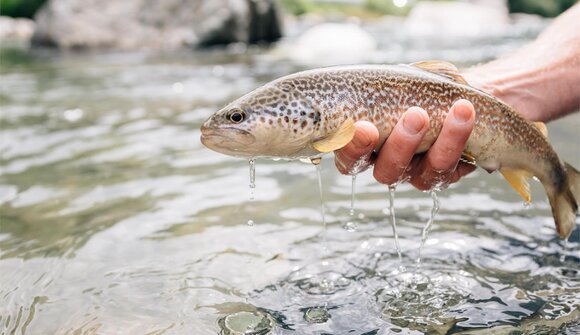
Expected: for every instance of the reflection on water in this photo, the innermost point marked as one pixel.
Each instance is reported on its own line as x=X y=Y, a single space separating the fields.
x=115 y=219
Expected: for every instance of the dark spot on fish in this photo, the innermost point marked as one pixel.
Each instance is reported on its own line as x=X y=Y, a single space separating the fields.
x=270 y=121
x=302 y=113
x=303 y=124
x=295 y=121
x=286 y=119
x=262 y=119
x=294 y=104
x=282 y=108
x=295 y=131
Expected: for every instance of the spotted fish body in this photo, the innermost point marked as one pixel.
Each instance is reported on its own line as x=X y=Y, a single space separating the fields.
x=306 y=114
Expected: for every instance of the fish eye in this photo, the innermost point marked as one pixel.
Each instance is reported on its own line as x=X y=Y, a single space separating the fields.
x=237 y=115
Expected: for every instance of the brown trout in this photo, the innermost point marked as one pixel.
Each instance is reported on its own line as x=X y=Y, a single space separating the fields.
x=307 y=114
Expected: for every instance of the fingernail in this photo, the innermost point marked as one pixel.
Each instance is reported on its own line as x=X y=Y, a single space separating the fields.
x=462 y=114
x=413 y=122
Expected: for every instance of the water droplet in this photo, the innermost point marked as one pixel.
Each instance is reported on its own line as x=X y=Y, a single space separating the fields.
x=527 y=204
x=250 y=223
x=246 y=323
x=73 y=115
x=218 y=70
x=350 y=226
x=316 y=160
x=316 y=315
x=177 y=87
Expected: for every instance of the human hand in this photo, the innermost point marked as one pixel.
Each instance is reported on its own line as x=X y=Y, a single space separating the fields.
x=396 y=159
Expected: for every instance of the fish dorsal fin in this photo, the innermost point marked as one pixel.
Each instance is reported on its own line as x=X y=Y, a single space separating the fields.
x=542 y=128
x=519 y=180
x=338 y=139
x=441 y=68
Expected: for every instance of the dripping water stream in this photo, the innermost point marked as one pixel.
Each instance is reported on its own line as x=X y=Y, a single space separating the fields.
x=316 y=162
x=351 y=225
x=426 y=228
x=392 y=189
x=252 y=163
x=252 y=178
x=564 y=250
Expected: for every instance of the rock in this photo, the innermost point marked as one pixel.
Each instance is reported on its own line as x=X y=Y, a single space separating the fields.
x=157 y=25
x=332 y=44
x=457 y=19
x=16 y=29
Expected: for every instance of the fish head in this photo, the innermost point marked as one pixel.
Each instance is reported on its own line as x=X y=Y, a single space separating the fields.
x=270 y=121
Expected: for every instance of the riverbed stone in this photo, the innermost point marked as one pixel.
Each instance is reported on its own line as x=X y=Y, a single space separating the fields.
x=152 y=24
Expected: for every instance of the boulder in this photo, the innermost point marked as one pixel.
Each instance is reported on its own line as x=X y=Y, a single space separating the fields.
x=457 y=19
x=153 y=24
x=332 y=44
x=15 y=29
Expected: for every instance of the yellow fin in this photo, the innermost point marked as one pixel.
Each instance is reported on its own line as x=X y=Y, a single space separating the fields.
x=441 y=68
x=468 y=158
x=519 y=180
x=338 y=139
x=542 y=128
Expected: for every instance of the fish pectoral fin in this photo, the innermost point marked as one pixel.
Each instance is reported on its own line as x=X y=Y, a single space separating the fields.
x=338 y=139
x=519 y=180
x=468 y=158
x=542 y=128
x=441 y=68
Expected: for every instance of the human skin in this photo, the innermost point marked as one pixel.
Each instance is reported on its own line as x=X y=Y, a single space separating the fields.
x=541 y=81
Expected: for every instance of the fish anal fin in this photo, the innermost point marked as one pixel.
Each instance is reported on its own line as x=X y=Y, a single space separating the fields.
x=542 y=128
x=337 y=139
x=441 y=68
x=519 y=181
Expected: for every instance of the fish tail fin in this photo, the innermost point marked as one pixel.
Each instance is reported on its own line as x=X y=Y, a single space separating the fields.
x=564 y=202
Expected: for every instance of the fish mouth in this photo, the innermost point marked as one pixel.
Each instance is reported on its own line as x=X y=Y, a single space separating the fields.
x=227 y=140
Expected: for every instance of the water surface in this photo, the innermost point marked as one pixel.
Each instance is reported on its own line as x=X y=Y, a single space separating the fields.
x=115 y=219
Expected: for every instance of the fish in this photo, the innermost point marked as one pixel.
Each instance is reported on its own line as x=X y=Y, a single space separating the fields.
x=308 y=114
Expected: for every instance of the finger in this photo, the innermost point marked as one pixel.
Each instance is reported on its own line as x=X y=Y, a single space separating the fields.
x=401 y=145
x=357 y=151
x=462 y=170
x=438 y=166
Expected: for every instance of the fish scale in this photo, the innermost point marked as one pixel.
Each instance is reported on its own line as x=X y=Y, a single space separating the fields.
x=307 y=114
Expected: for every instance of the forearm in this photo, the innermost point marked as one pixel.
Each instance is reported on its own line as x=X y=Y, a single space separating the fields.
x=541 y=80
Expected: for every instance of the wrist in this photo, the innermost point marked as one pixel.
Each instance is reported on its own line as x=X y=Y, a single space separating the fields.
x=538 y=92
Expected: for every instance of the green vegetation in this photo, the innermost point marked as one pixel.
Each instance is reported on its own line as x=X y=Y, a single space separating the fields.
x=549 y=8
x=369 y=8
x=374 y=8
x=20 y=8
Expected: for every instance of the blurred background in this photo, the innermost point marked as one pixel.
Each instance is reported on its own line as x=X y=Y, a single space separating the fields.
x=114 y=219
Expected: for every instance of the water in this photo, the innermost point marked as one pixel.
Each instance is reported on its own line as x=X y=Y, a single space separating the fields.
x=252 y=163
x=392 y=189
x=351 y=225
x=427 y=227
x=115 y=219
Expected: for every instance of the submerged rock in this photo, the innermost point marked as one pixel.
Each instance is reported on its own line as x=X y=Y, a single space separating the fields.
x=158 y=25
